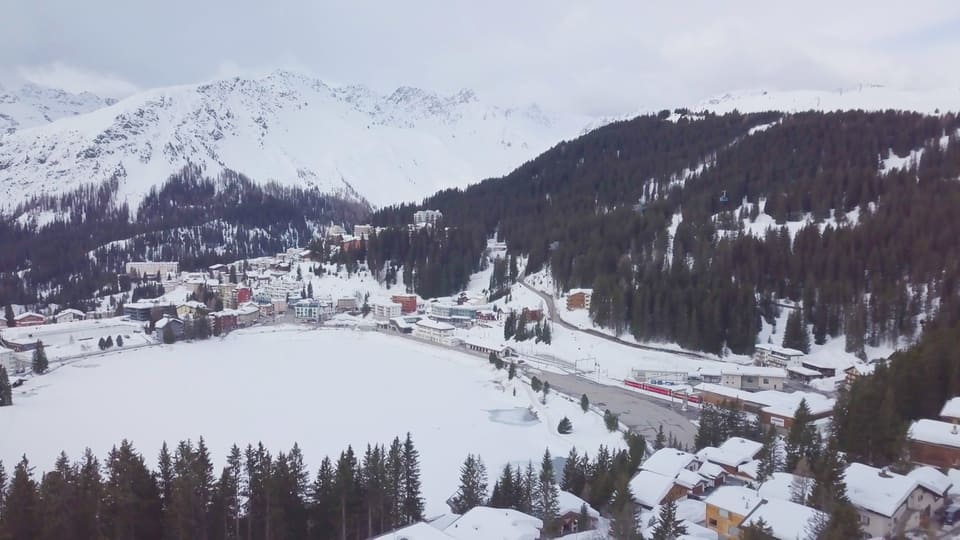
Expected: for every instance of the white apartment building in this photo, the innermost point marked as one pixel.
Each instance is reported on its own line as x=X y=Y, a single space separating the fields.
x=385 y=310
x=150 y=269
x=431 y=330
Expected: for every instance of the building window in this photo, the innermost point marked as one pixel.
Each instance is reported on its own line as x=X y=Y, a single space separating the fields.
x=733 y=531
x=713 y=522
x=766 y=381
x=724 y=514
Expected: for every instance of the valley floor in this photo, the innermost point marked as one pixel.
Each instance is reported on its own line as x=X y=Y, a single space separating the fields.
x=323 y=389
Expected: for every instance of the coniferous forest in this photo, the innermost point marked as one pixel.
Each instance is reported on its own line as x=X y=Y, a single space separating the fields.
x=256 y=495
x=875 y=260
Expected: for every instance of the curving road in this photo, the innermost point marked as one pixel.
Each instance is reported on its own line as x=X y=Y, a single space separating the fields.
x=555 y=317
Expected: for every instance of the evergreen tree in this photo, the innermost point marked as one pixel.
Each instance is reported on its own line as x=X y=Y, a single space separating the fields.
x=584 y=523
x=668 y=526
x=546 y=504
x=546 y=390
x=22 y=508
x=623 y=517
x=829 y=494
x=660 y=441
x=585 y=403
x=527 y=485
x=9 y=316
x=57 y=501
x=3 y=493
x=131 y=506
x=473 y=485
x=119 y=341
x=769 y=456
x=546 y=335
x=802 y=439
x=412 y=499
x=40 y=362
x=89 y=494
x=565 y=426
x=395 y=483
x=512 y=371
x=505 y=492
x=536 y=384
x=6 y=390
x=759 y=530
x=168 y=335
x=796 y=336
x=612 y=421
x=510 y=326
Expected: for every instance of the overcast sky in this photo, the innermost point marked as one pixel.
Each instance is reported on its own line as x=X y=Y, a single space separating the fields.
x=603 y=57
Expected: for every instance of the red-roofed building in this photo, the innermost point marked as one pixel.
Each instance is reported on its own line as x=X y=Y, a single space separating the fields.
x=29 y=319
x=408 y=302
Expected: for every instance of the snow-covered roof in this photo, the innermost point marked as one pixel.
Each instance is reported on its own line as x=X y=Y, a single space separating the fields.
x=753 y=371
x=27 y=314
x=668 y=462
x=649 y=488
x=878 y=491
x=806 y=372
x=689 y=479
x=951 y=409
x=781 y=485
x=935 y=432
x=484 y=523
x=779 y=350
x=931 y=479
x=417 y=531
x=774 y=401
x=786 y=519
x=569 y=502
x=576 y=291
x=736 y=499
x=734 y=452
x=162 y=323
x=696 y=531
x=70 y=311
x=750 y=469
x=434 y=325
x=710 y=470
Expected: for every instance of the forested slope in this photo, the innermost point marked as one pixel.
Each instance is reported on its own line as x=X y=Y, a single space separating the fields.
x=663 y=217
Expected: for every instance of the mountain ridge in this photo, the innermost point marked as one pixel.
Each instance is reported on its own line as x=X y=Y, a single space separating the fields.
x=288 y=128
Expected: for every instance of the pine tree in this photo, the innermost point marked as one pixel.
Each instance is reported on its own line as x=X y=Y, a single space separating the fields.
x=565 y=426
x=510 y=326
x=512 y=371
x=536 y=384
x=58 y=501
x=412 y=499
x=6 y=390
x=527 y=487
x=22 y=508
x=585 y=403
x=89 y=496
x=623 y=517
x=473 y=485
x=660 y=441
x=802 y=438
x=796 y=336
x=546 y=390
x=611 y=420
x=168 y=335
x=120 y=340
x=40 y=362
x=3 y=493
x=546 y=335
x=668 y=526
x=9 y=316
x=759 y=530
x=546 y=496
x=584 y=523
x=504 y=490
x=769 y=456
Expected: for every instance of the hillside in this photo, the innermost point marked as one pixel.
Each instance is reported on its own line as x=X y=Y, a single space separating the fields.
x=692 y=228
x=285 y=128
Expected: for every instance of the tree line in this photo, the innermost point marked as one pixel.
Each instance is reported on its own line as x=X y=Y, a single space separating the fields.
x=256 y=495
x=653 y=213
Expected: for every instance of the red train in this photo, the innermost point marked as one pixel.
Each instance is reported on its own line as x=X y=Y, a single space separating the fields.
x=647 y=387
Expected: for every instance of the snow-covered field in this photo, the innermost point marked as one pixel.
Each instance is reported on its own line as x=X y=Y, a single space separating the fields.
x=324 y=389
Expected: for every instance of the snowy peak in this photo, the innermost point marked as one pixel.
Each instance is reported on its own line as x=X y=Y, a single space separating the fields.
x=285 y=127
x=33 y=105
x=864 y=97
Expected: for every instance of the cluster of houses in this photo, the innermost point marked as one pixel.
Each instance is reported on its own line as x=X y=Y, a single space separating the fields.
x=486 y=523
x=937 y=442
x=888 y=504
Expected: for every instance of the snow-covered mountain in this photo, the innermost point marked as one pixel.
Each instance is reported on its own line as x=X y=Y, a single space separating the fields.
x=32 y=105
x=865 y=97
x=285 y=127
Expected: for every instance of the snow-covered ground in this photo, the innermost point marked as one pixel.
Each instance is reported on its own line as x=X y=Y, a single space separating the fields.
x=323 y=389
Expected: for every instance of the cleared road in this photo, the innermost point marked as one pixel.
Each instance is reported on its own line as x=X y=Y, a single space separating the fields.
x=642 y=414
x=555 y=317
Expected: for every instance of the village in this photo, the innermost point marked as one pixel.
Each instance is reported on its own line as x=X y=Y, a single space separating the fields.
x=718 y=489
